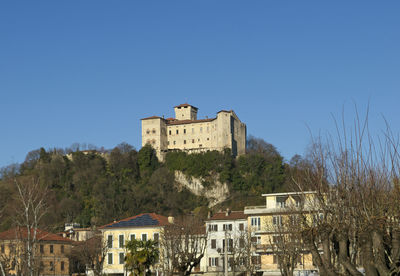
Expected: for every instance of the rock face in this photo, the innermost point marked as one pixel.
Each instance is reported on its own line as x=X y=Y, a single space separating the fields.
x=216 y=193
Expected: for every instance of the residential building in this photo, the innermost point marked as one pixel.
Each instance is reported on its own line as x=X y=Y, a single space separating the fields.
x=227 y=240
x=50 y=251
x=75 y=232
x=116 y=234
x=268 y=222
x=186 y=132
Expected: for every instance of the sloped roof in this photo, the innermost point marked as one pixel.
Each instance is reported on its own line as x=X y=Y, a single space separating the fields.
x=185 y=105
x=146 y=219
x=232 y=215
x=180 y=122
x=22 y=233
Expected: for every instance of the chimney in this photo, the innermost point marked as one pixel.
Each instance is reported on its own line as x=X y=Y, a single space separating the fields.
x=171 y=219
x=227 y=212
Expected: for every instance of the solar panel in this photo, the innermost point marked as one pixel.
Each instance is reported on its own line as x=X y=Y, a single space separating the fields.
x=143 y=220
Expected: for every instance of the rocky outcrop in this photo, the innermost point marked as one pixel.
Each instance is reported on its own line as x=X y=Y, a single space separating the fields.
x=216 y=192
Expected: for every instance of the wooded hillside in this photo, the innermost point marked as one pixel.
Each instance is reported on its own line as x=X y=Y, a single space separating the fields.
x=96 y=187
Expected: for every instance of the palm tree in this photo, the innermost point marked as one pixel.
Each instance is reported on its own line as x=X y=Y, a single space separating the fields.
x=141 y=256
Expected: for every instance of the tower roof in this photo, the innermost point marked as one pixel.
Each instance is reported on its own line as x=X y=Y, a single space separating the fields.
x=185 y=105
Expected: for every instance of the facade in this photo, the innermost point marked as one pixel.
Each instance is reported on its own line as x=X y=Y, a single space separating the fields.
x=143 y=227
x=51 y=252
x=74 y=232
x=267 y=222
x=227 y=237
x=185 y=132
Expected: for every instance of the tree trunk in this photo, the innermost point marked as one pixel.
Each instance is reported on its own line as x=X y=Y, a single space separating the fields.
x=367 y=255
x=380 y=258
x=344 y=258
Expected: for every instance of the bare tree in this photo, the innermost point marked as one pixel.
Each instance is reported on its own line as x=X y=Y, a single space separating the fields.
x=183 y=244
x=30 y=210
x=356 y=179
x=91 y=253
x=242 y=252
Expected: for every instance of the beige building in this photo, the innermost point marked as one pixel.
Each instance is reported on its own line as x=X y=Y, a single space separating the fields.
x=50 y=252
x=186 y=132
x=147 y=226
x=270 y=226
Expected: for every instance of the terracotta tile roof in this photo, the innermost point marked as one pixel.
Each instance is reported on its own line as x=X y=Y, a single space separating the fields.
x=181 y=122
x=231 y=216
x=22 y=233
x=152 y=117
x=146 y=219
x=186 y=104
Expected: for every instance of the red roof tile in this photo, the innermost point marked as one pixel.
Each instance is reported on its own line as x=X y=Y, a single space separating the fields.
x=22 y=233
x=231 y=216
x=181 y=122
x=139 y=221
x=186 y=104
x=152 y=117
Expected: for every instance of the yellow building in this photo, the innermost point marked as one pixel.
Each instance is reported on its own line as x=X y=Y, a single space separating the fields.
x=50 y=252
x=116 y=234
x=185 y=132
x=270 y=226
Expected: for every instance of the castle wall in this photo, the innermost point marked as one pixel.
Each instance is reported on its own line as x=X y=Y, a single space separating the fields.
x=189 y=134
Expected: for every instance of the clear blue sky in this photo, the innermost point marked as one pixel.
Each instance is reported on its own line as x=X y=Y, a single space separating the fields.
x=87 y=71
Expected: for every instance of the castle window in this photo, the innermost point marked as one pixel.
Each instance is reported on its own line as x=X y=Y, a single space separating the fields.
x=153 y=131
x=168 y=143
x=192 y=130
x=184 y=131
x=208 y=139
x=174 y=142
x=153 y=141
x=192 y=141
x=148 y=131
x=184 y=141
x=169 y=132
x=177 y=131
x=198 y=140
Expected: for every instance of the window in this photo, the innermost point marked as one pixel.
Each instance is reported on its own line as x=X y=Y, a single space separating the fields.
x=277 y=220
x=275 y=259
x=213 y=227
x=174 y=142
x=201 y=130
x=213 y=243
x=133 y=237
x=256 y=240
x=256 y=259
x=184 y=141
x=184 y=131
x=144 y=237
x=177 y=131
x=192 y=141
x=148 y=131
x=170 y=132
x=3 y=250
x=62 y=266
x=256 y=222
x=213 y=261
x=41 y=249
x=51 y=248
x=241 y=243
x=230 y=245
x=153 y=131
x=241 y=226
x=227 y=227
x=51 y=266
x=62 y=249
x=192 y=130
x=110 y=241
x=110 y=258
x=156 y=237
x=281 y=202
x=121 y=241
x=121 y=258
x=208 y=139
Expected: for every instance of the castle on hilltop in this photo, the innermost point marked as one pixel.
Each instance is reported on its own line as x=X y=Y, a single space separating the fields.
x=185 y=132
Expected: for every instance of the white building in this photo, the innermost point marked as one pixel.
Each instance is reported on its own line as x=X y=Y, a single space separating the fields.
x=227 y=235
x=185 y=132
